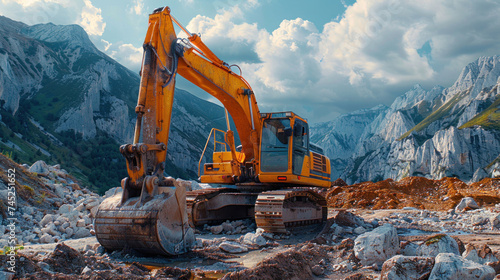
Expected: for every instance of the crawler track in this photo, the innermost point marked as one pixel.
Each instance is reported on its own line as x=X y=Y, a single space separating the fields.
x=275 y=211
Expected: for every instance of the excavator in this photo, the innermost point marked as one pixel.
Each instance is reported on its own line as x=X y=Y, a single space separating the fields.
x=271 y=176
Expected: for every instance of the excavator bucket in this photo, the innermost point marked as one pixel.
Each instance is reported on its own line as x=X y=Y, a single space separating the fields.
x=157 y=225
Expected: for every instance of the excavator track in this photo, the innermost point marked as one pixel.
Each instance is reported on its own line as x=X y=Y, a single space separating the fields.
x=275 y=211
x=216 y=205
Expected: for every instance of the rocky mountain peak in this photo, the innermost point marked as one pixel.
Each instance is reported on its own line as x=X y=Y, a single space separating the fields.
x=7 y=25
x=72 y=34
x=477 y=75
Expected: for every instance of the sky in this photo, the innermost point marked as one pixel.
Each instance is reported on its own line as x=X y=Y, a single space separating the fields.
x=318 y=58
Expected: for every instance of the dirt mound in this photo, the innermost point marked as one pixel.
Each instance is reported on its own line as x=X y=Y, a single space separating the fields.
x=66 y=260
x=293 y=264
x=417 y=192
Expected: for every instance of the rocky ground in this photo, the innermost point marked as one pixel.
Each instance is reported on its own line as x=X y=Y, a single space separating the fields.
x=424 y=229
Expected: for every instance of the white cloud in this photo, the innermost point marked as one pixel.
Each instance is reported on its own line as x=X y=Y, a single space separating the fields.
x=138 y=7
x=91 y=19
x=369 y=56
x=106 y=45
x=235 y=41
x=128 y=55
x=32 y=12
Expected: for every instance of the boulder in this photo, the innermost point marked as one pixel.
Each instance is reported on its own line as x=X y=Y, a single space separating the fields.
x=28 y=210
x=49 y=218
x=254 y=239
x=60 y=190
x=227 y=227
x=376 y=246
x=112 y=191
x=232 y=247
x=467 y=203
x=436 y=244
x=359 y=230
x=317 y=270
x=46 y=238
x=403 y=268
x=65 y=208
x=495 y=220
x=80 y=223
x=408 y=248
x=452 y=266
x=479 y=220
x=40 y=167
x=81 y=233
x=346 y=218
x=482 y=255
x=216 y=229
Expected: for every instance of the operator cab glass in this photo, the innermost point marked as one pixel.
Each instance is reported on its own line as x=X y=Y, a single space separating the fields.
x=274 y=146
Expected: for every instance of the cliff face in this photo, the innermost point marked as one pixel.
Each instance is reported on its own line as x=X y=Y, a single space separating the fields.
x=55 y=81
x=441 y=132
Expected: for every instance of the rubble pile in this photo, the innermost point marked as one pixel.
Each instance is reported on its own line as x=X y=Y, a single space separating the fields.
x=416 y=192
x=56 y=208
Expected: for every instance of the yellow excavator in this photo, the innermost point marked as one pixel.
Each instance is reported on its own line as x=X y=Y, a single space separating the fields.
x=269 y=177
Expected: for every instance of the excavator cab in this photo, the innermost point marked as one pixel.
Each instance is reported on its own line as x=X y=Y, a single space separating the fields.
x=286 y=155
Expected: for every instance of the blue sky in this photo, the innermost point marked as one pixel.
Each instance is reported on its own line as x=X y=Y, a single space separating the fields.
x=319 y=58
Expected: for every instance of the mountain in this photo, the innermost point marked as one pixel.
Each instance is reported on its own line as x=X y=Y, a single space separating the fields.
x=441 y=132
x=64 y=101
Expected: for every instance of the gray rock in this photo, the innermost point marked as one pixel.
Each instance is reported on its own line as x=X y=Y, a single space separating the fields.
x=467 y=203
x=359 y=230
x=495 y=220
x=28 y=210
x=227 y=227
x=113 y=191
x=440 y=243
x=346 y=218
x=40 y=167
x=92 y=204
x=45 y=266
x=46 y=238
x=80 y=223
x=81 y=233
x=451 y=266
x=6 y=275
x=232 y=247
x=482 y=256
x=49 y=218
x=403 y=268
x=216 y=229
x=69 y=232
x=86 y=271
x=254 y=239
x=409 y=249
x=65 y=208
x=377 y=245
x=100 y=250
x=317 y=270
x=479 y=220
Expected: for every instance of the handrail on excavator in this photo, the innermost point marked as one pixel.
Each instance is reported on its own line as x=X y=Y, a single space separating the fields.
x=214 y=132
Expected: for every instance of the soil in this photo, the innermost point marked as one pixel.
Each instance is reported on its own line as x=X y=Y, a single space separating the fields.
x=416 y=192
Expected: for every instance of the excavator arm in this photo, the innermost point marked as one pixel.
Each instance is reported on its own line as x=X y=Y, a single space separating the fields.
x=165 y=56
x=150 y=215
